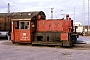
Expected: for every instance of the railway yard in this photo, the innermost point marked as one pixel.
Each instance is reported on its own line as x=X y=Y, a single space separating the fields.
x=10 y=51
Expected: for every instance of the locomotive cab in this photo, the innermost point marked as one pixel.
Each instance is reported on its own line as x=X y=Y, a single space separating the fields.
x=24 y=26
x=21 y=30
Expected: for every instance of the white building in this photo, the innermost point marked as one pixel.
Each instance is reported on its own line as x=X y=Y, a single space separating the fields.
x=79 y=27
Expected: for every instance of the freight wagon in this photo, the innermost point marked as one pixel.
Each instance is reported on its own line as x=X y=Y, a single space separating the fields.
x=5 y=25
x=35 y=29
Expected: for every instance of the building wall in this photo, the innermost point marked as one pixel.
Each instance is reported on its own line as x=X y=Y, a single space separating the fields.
x=86 y=30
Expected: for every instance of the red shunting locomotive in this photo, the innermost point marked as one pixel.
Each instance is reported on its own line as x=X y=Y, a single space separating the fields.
x=37 y=30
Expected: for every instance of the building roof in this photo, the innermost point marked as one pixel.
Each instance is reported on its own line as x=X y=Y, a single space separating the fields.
x=77 y=23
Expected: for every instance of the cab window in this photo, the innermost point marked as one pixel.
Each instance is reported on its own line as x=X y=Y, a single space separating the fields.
x=24 y=25
x=16 y=24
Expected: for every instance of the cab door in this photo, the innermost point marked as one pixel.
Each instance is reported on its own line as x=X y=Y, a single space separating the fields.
x=16 y=31
x=25 y=31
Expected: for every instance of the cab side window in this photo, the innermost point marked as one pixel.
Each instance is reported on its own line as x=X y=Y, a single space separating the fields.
x=16 y=24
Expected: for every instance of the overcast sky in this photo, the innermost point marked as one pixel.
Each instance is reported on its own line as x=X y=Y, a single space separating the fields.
x=60 y=7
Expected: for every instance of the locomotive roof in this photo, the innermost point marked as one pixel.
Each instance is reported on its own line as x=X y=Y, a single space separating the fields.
x=23 y=14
